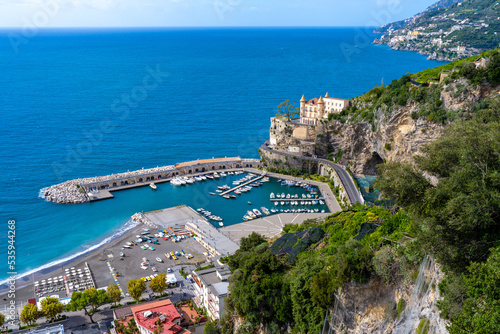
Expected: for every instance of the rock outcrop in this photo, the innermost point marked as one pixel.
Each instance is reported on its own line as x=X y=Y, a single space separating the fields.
x=396 y=138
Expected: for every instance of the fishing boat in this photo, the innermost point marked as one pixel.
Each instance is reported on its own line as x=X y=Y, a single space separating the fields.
x=152 y=186
x=257 y=212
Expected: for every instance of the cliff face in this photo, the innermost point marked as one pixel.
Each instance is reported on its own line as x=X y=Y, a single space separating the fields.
x=373 y=307
x=397 y=138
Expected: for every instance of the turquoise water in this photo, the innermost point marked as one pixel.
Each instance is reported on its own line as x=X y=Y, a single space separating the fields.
x=222 y=87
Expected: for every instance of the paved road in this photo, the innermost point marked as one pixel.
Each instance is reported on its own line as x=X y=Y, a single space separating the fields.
x=345 y=177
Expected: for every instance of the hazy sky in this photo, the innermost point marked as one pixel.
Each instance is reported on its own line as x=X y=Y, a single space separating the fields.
x=132 y=13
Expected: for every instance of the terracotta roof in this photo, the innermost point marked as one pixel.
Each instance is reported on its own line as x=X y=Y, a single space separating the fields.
x=313 y=101
x=146 y=315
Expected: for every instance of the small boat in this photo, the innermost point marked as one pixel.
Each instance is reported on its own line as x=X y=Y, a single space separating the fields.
x=265 y=210
x=237 y=192
x=276 y=203
x=226 y=196
x=213 y=194
x=121 y=254
x=126 y=246
x=152 y=186
x=159 y=260
x=257 y=212
x=251 y=214
x=221 y=224
x=210 y=177
x=249 y=203
x=232 y=196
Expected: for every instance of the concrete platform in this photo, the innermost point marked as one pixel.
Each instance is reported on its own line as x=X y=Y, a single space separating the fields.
x=270 y=226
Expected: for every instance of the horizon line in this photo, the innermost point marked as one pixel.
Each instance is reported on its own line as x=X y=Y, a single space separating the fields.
x=193 y=27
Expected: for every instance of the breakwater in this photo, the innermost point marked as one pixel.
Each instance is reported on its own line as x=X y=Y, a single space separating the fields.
x=89 y=189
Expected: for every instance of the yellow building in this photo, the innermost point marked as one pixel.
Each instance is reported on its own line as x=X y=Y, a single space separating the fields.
x=318 y=108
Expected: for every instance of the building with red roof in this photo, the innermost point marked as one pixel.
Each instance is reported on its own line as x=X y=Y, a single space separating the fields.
x=147 y=315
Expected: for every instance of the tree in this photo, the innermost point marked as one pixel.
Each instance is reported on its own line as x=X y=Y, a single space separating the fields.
x=459 y=209
x=211 y=328
x=29 y=314
x=132 y=327
x=89 y=300
x=159 y=283
x=481 y=310
x=114 y=293
x=136 y=288
x=51 y=307
x=159 y=327
x=287 y=110
x=2 y=319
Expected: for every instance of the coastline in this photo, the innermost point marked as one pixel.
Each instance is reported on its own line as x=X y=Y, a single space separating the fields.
x=26 y=278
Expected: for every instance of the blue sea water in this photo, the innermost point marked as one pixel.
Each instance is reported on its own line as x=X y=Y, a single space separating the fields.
x=80 y=103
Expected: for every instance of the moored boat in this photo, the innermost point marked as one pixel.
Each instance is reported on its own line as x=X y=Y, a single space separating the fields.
x=152 y=186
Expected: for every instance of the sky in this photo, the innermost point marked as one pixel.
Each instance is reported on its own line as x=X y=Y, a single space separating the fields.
x=204 y=13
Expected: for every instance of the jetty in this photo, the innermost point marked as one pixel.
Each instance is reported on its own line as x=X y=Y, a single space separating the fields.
x=242 y=185
x=100 y=187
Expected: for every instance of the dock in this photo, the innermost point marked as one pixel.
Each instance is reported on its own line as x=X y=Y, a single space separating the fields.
x=242 y=185
x=296 y=199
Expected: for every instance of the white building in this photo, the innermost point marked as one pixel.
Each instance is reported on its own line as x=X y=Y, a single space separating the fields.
x=210 y=290
x=319 y=108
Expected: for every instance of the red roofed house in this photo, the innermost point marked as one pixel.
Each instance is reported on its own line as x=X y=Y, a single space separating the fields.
x=147 y=315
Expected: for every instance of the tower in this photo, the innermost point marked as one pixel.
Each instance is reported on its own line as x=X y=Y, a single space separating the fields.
x=302 y=107
x=321 y=107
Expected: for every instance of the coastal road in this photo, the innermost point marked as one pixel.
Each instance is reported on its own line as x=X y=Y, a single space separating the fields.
x=345 y=177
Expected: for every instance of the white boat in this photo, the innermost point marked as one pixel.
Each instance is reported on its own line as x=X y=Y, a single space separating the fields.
x=288 y=196
x=321 y=202
x=257 y=212
x=189 y=180
x=216 y=176
x=221 y=224
x=272 y=195
x=152 y=186
x=159 y=260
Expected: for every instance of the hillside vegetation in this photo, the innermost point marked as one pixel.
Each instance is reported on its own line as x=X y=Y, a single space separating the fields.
x=424 y=93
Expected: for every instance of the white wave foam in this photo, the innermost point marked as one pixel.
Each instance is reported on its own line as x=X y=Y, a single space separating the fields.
x=130 y=224
x=41 y=193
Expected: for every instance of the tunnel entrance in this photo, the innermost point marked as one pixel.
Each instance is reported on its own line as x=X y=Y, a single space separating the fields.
x=370 y=167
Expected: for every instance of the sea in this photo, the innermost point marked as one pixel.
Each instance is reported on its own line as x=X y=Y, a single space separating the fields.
x=89 y=102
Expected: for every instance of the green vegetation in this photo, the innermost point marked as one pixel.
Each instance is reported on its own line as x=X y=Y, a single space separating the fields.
x=423 y=326
x=281 y=291
x=458 y=215
x=114 y=293
x=89 y=300
x=51 y=307
x=159 y=283
x=136 y=287
x=183 y=273
x=425 y=93
x=29 y=314
x=287 y=109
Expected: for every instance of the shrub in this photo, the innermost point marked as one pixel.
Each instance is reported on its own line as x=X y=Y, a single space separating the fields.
x=388 y=147
x=401 y=306
x=423 y=326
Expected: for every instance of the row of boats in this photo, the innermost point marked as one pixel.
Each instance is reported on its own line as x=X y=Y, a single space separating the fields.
x=185 y=180
x=255 y=213
x=313 y=202
x=292 y=196
x=210 y=216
